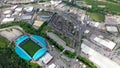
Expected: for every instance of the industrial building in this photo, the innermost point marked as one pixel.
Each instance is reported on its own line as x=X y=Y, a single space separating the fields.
x=7 y=12
x=19 y=1
x=105 y=42
x=111 y=28
x=97 y=58
x=37 y=24
x=29 y=8
x=5 y=20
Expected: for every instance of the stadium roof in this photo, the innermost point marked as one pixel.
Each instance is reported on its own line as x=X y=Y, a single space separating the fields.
x=39 y=53
x=21 y=39
x=38 y=40
x=22 y=53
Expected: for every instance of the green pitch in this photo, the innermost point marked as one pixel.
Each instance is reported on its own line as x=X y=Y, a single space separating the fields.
x=30 y=47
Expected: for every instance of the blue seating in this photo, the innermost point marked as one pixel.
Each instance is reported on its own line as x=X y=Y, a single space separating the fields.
x=22 y=53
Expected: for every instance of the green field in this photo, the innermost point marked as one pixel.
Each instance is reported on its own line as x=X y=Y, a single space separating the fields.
x=114 y=1
x=98 y=17
x=3 y=42
x=111 y=7
x=30 y=47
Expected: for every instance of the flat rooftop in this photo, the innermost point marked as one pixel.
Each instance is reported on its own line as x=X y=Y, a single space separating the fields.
x=19 y=1
x=112 y=28
x=97 y=58
x=105 y=42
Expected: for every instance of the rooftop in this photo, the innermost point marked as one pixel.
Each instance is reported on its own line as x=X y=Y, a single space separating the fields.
x=7 y=12
x=112 y=28
x=97 y=58
x=29 y=9
x=19 y=1
x=5 y=20
x=46 y=58
x=105 y=42
x=38 y=23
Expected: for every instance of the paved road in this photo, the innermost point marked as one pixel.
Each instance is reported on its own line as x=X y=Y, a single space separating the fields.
x=79 y=37
x=57 y=58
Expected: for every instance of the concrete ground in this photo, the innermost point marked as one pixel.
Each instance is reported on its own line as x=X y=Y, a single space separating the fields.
x=11 y=33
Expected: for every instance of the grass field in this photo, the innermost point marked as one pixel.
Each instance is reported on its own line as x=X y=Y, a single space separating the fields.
x=110 y=7
x=30 y=47
x=114 y=1
x=98 y=17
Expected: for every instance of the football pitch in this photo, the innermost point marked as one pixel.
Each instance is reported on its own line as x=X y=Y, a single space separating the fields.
x=30 y=47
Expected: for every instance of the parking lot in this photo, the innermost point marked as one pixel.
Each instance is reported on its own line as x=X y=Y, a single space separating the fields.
x=11 y=33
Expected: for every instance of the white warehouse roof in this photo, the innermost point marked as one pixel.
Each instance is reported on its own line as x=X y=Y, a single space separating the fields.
x=26 y=17
x=18 y=9
x=13 y=7
x=46 y=58
x=19 y=1
x=55 y=2
x=97 y=58
x=107 y=43
x=52 y=66
x=32 y=0
x=8 y=15
x=5 y=20
x=29 y=9
x=112 y=28
x=7 y=12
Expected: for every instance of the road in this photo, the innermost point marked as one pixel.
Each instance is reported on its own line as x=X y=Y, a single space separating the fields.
x=81 y=29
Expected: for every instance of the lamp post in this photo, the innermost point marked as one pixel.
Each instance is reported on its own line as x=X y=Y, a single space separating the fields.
x=43 y=66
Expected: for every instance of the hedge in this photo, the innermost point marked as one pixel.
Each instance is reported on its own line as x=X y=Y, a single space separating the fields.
x=69 y=54
x=86 y=62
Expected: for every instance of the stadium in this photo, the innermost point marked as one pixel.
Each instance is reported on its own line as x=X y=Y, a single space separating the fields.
x=31 y=47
